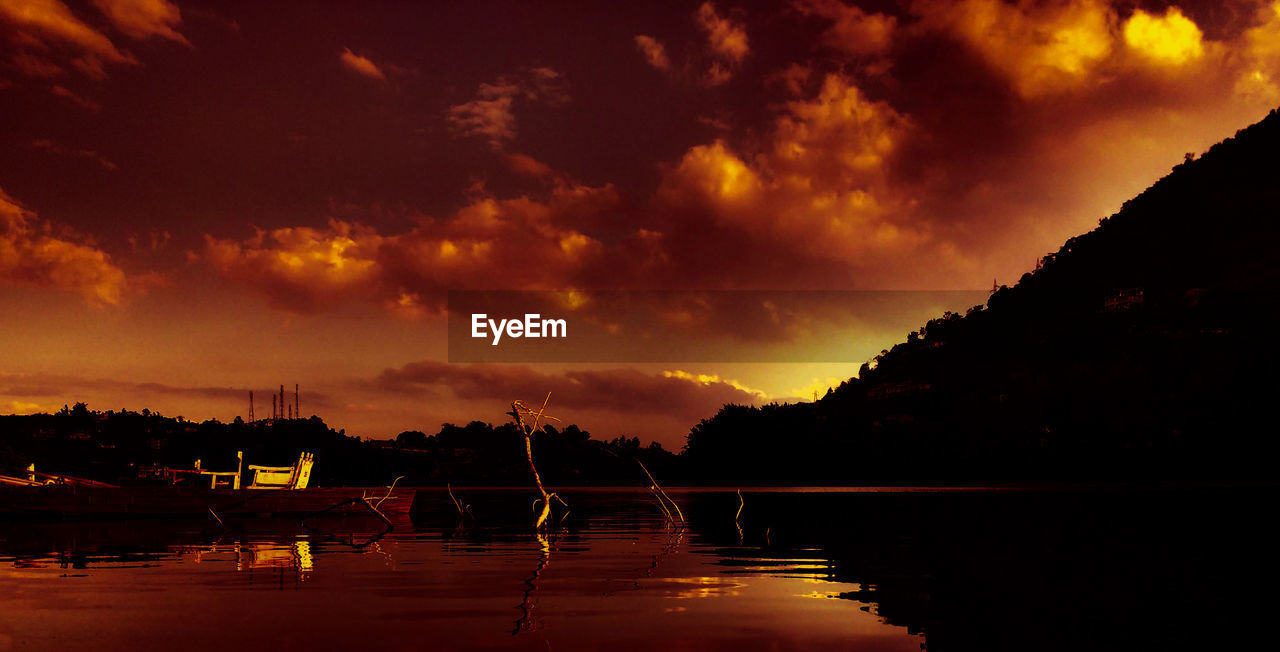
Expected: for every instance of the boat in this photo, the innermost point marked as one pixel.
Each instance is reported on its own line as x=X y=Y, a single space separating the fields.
x=271 y=492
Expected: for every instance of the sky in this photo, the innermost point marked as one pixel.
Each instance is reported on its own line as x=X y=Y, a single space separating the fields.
x=200 y=199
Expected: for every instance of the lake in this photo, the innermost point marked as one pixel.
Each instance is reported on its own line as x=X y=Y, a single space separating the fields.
x=803 y=569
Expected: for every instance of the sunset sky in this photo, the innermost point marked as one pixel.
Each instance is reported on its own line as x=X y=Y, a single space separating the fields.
x=202 y=198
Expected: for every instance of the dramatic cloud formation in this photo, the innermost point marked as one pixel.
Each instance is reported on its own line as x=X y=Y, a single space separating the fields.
x=1042 y=47
x=29 y=255
x=520 y=243
x=797 y=145
x=624 y=391
x=361 y=65
x=491 y=114
x=142 y=19
x=1171 y=38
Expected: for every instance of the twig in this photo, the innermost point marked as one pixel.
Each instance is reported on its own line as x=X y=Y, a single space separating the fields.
x=653 y=486
x=457 y=504
x=389 y=490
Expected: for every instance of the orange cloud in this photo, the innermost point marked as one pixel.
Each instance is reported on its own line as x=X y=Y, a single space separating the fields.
x=142 y=19
x=51 y=25
x=520 y=243
x=30 y=256
x=726 y=38
x=361 y=65
x=817 y=190
x=1260 y=55
x=653 y=52
x=1041 y=48
x=853 y=30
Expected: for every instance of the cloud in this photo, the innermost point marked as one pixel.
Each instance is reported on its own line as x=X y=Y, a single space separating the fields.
x=30 y=256
x=143 y=19
x=653 y=52
x=1168 y=39
x=624 y=391
x=75 y=98
x=1041 y=48
x=54 y=148
x=301 y=268
x=812 y=197
x=33 y=65
x=815 y=194
x=1259 y=78
x=517 y=243
x=49 y=25
x=726 y=38
x=853 y=30
x=361 y=65
x=490 y=115
x=526 y=165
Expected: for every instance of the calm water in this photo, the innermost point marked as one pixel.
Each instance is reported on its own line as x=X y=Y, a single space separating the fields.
x=807 y=570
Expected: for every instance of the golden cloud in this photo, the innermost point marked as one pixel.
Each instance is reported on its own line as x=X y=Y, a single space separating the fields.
x=1042 y=48
x=30 y=256
x=1170 y=39
x=1259 y=78
x=519 y=243
x=817 y=190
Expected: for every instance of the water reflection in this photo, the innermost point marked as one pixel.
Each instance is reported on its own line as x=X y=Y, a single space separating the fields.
x=791 y=571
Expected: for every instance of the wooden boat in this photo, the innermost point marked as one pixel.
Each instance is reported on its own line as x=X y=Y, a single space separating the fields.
x=272 y=492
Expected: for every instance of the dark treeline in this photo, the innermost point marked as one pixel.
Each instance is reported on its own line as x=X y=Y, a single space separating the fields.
x=1142 y=350
x=112 y=446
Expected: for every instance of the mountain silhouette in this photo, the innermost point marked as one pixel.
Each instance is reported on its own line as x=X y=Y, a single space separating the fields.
x=1143 y=350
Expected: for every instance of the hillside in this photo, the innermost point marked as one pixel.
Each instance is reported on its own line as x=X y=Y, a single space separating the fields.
x=1140 y=351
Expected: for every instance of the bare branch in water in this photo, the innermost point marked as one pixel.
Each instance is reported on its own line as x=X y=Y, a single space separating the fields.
x=660 y=494
x=518 y=410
